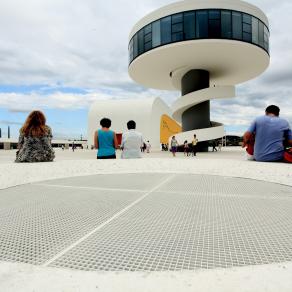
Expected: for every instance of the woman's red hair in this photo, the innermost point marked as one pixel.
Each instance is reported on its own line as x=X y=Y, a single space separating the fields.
x=35 y=125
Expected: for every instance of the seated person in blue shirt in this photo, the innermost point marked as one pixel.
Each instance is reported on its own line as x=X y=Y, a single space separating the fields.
x=132 y=141
x=271 y=132
x=105 y=140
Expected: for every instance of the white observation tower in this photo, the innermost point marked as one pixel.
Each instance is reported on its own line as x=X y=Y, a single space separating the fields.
x=202 y=48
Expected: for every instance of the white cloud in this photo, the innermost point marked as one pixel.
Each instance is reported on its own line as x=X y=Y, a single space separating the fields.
x=80 y=43
x=20 y=102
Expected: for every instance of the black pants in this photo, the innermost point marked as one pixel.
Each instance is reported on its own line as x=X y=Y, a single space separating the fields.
x=194 y=150
x=107 y=157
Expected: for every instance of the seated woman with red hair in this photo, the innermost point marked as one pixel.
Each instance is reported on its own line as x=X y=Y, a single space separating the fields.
x=34 y=142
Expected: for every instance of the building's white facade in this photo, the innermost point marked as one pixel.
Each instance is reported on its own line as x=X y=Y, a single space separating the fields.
x=145 y=112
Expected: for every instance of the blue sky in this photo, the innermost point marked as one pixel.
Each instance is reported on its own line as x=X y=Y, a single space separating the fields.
x=41 y=89
x=69 y=123
x=61 y=57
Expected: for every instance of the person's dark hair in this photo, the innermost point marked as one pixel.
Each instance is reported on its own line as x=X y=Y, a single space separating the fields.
x=35 y=125
x=273 y=109
x=105 y=123
x=131 y=125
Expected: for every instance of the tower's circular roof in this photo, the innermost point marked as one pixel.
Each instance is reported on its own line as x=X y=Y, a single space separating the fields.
x=230 y=39
x=188 y=5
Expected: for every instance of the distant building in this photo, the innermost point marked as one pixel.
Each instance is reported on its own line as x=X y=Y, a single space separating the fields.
x=233 y=140
x=11 y=143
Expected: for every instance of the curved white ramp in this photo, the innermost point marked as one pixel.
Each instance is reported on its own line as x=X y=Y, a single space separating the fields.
x=216 y=130
x=196 y=97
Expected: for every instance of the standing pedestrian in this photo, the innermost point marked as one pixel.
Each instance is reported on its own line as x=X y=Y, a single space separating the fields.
x=194 y=145
x=214 y=145
x=173 y=145
x=186 y=148
x=219 y=145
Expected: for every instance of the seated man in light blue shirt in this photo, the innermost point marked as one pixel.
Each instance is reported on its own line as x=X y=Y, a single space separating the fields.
x=132 y=141
x=270 y=132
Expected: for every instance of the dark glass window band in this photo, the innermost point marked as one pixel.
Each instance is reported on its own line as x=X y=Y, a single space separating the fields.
x=200 y=24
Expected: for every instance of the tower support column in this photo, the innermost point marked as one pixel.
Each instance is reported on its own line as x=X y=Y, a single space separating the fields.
x=198 y=116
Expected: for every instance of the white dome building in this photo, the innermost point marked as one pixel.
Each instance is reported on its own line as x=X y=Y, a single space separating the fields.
x=151 y=116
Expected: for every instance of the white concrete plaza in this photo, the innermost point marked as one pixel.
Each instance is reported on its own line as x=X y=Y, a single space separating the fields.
x=214 y=222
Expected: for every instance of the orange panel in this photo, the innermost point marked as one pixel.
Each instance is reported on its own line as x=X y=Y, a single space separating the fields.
x=168 y=127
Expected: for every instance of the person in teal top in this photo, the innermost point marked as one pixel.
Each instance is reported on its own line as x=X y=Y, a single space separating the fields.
x=105 y=140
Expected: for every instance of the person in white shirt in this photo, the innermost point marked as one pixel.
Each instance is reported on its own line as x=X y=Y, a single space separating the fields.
x=132 y=141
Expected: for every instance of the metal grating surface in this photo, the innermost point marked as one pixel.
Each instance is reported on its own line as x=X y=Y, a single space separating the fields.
x=142 y=182
x=36 y=222
x=187 y=222
x=218 y=185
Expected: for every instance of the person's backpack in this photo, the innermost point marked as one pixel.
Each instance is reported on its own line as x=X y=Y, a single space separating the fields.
x=250 y=144
x=288 y=155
